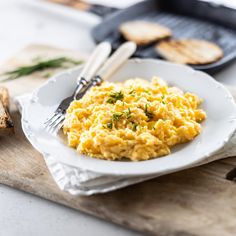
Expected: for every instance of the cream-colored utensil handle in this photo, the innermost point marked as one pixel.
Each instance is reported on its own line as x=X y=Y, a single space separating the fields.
x=95 y=61
x=118 y=58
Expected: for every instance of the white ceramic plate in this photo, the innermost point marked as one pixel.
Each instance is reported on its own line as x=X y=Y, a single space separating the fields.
x=217 y=129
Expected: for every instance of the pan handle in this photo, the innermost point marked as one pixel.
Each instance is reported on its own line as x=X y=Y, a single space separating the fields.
x=99 y=10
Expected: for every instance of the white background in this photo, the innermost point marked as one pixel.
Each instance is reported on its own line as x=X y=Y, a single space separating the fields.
x=22 y=23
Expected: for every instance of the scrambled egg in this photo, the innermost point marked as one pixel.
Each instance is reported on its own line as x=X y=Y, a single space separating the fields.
x=137 y=119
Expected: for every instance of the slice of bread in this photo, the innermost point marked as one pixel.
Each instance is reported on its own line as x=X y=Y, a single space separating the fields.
x=6 y=123
x=144 y=32
x=189 y=51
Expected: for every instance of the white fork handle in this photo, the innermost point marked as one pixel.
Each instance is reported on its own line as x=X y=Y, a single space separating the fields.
x=120 y=56
x=95 y=61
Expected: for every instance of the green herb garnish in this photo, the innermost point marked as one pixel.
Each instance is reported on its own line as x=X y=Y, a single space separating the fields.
x=146 y=91
x=132 y=91
x=134 y=126
x=110 y=100
x=115 y=97
x=116 y=116
x=163 y=97
x=128 y=113
x=109 y=125
x=148 y=113
x=40 y=66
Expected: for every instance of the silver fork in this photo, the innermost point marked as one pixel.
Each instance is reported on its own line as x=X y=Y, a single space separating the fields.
x=119 y=57
x=98 y=57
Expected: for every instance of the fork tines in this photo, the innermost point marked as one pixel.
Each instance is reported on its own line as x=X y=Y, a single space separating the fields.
x=54 y=124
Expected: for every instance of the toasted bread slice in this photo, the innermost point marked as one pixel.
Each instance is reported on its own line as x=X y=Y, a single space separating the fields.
x=6 y=124
x=143 y=32
x=189 y=51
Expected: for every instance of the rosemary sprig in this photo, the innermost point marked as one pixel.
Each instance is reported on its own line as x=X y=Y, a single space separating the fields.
x=39 y=66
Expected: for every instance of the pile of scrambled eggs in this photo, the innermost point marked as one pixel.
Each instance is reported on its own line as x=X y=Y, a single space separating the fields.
x=137 y=119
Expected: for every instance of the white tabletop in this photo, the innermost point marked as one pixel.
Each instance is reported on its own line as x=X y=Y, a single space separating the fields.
x=21 y=213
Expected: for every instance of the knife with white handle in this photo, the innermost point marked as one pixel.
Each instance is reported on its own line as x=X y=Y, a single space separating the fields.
x=113 y=63
x=95 y=61
x=118 y=58
x=91 y=67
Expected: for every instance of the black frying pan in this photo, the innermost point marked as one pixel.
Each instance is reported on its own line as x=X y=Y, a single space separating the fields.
x=186 y=18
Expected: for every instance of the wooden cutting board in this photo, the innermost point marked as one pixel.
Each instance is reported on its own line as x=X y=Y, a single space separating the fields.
x=198 y=201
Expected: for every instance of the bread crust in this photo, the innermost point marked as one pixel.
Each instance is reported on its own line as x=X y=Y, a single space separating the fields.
x=4 y=97
x=6 y=123
x=189 y=51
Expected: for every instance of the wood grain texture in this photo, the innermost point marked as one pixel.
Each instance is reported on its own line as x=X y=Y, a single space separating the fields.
x=195 y=202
